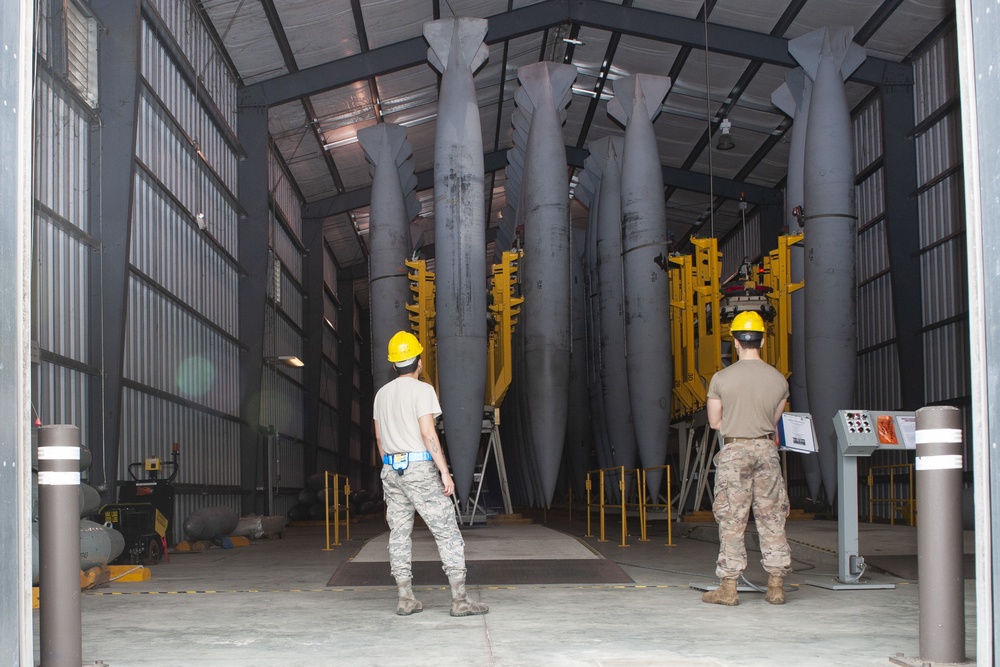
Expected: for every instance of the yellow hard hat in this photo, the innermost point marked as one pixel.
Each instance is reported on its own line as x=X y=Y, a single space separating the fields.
x=748 y=321
x=404 y=346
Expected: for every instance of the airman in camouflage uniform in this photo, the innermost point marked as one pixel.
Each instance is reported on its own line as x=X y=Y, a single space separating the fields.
x=745 y=402
x=415 y=477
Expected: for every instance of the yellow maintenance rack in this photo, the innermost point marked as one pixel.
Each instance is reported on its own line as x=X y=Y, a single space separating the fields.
x=504 y=308
x=702 y=308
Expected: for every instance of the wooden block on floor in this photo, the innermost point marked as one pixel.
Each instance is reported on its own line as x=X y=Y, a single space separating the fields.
x=131 y=573
x=240 y=541
x=95 y=576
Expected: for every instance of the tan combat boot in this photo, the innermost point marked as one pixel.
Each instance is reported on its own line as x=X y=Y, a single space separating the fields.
x=407 y=604
x=461 y=605
x=725 y=594
x=775 y=590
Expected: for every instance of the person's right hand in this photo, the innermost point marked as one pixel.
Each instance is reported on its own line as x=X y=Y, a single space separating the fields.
x=448 y=482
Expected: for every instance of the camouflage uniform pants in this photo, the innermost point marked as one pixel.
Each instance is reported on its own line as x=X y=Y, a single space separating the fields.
x=419 y=488
x=748 y=473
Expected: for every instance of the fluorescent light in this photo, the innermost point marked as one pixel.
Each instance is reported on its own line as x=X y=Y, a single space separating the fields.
x=285 y=360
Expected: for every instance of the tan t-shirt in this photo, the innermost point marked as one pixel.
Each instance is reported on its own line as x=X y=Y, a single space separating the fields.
x=750 y=391
x=398 y=407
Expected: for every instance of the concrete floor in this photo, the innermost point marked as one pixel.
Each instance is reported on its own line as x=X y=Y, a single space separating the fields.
x=268 y=604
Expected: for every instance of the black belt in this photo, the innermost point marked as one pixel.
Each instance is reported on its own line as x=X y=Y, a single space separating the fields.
x=729 y=439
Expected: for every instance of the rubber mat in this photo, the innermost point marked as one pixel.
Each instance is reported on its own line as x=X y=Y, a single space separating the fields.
x=489 y=573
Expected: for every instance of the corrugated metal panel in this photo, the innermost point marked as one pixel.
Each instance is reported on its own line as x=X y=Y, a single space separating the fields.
x=291 y=300
x=331 y=312
x=329 y=381
x=875 y=301
x=194 y=40
x=878 y=379
x=355 y=450
x=285 y=198
x=329 y=270
x=169 y=249
x=872 y=252
x=935 y=76
x=329 y=423
x=331 y=346
x=287 y=251
x=327 y=459
x=291 y=463
x=281 y=403
x=871 y=198
x=946 y=371
x=168 y=155
x=287 y=339
x=943 y=265
x=182 y=102
x=209 y=444
x=62 y=298
x=64 y=397
x=867 y=125
x=61 y=158
x=944 y=280
x=169 y=350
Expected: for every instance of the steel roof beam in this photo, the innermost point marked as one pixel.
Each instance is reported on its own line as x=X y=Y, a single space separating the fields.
x=594 y=13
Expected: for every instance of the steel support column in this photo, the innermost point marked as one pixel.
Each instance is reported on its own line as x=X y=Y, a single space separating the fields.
x=312 y=342
x=977 y=59
x=253 y=247
x=903 y=237
x=345 y=368
x=16 y=81
x=111 y=153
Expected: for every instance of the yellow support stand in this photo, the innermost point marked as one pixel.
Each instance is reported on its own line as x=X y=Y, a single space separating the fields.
x=422 y=315
x=504 y=308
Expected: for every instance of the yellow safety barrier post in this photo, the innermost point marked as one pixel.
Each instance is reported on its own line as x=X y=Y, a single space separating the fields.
x=894 y=502
x=666 y=506
x=601 y=538
x=588 y=503
x=641 y=475
x=336 y=507
x=621 y=488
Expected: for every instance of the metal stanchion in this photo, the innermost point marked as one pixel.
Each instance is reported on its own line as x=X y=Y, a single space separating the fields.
x=939 y=534
x=60 y=634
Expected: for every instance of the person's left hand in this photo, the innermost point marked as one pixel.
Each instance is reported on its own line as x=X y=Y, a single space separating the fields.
x=448 y=482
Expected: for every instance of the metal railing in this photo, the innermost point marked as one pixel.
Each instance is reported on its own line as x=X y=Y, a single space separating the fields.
x=906 y=506
x=621 y=503
x=335 y=499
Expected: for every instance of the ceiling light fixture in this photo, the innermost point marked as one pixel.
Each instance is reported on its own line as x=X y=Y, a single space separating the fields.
x=285 y=360
x=574 y=42
x=726 y=140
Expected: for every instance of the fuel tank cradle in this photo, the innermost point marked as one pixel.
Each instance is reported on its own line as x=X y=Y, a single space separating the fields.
x=828 y=56
x=636 y=104
x=614 y=370
x=792 y=97
x=586 y=192
x=457 y=51
x=393 y=206
x=543 y=206
x=579 y=440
